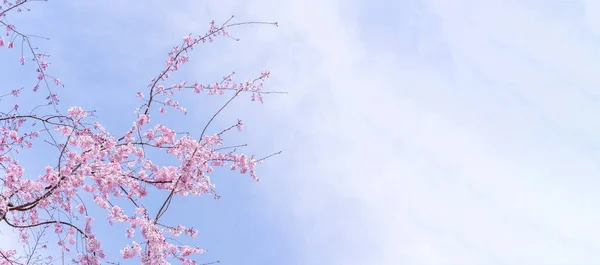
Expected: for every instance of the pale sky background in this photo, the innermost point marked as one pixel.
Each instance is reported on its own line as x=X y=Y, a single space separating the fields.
x=414 y=132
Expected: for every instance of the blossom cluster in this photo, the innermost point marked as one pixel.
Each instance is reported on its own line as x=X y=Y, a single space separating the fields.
x=107 y=167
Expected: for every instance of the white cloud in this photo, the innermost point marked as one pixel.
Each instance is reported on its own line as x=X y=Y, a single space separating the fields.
x=488 y=158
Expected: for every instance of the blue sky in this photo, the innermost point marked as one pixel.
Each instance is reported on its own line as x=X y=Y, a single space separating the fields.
x=414 y=132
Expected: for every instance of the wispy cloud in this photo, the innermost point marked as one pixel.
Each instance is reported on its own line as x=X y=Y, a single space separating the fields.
x=474 y=143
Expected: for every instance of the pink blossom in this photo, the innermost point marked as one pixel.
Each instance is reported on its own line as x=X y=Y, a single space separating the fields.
x=13 y=135
x=24 y=236
x=81 y=208
x=187 y=40
x=143 y=119
x=71 y=240
x=76 y=112
x=130 y=232
x=58 y=228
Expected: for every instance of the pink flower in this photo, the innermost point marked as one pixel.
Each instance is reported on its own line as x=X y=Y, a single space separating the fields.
x=143 y=119
x=81 y=208
x=24 y=236
x=14 y=135
x=71 y=240
x=130 y=232
x=187 y=40
x=58 y=228
x=76 y=112
x=149 y=135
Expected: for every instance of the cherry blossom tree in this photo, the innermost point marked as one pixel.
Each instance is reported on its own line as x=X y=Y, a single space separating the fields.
x=118 y=170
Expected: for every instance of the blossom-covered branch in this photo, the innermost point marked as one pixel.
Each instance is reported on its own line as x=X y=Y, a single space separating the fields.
x=89 y=159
